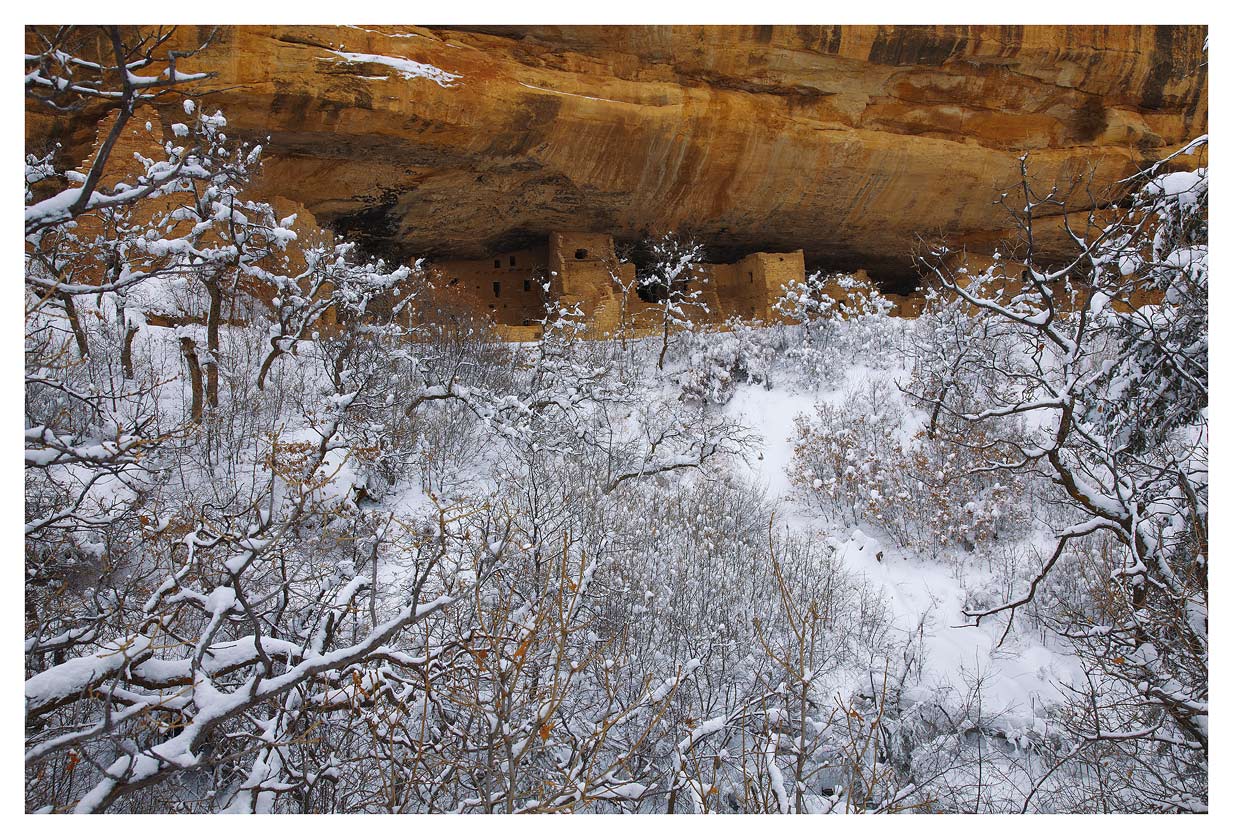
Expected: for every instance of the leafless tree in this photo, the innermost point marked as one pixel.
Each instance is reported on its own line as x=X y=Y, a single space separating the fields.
x=1117 y=393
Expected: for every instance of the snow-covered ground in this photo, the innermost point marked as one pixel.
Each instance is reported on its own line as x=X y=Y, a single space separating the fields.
x=1016 y=677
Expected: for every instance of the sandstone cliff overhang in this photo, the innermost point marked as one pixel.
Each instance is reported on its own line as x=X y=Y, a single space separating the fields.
x=849 y=142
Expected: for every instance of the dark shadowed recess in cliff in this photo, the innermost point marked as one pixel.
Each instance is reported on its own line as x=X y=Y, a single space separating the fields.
x=374 y=230
x=892 y=277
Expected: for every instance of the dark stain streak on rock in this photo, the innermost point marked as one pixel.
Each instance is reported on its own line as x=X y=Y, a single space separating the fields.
x=535 y=117
x=1162 y=70
x=917 y=45
x=1090 y=120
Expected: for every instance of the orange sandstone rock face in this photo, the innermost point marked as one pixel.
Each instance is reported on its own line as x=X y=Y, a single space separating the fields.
x=846 y=141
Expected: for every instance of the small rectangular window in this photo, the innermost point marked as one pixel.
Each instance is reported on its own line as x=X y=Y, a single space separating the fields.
x=496 y=288
x=496 y=263
x=581 y=253
x=751 y=276
x=526 y=285
x=511 y=261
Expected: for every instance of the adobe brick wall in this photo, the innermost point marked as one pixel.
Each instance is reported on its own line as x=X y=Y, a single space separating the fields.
x=508 y=286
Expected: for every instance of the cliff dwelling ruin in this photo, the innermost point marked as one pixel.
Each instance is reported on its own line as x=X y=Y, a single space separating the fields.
x=584 y=269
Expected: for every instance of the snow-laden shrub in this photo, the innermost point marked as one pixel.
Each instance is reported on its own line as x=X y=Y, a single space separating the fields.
x=719 y=361
x=829 y=318
x=853 y=463
x=823 y=297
